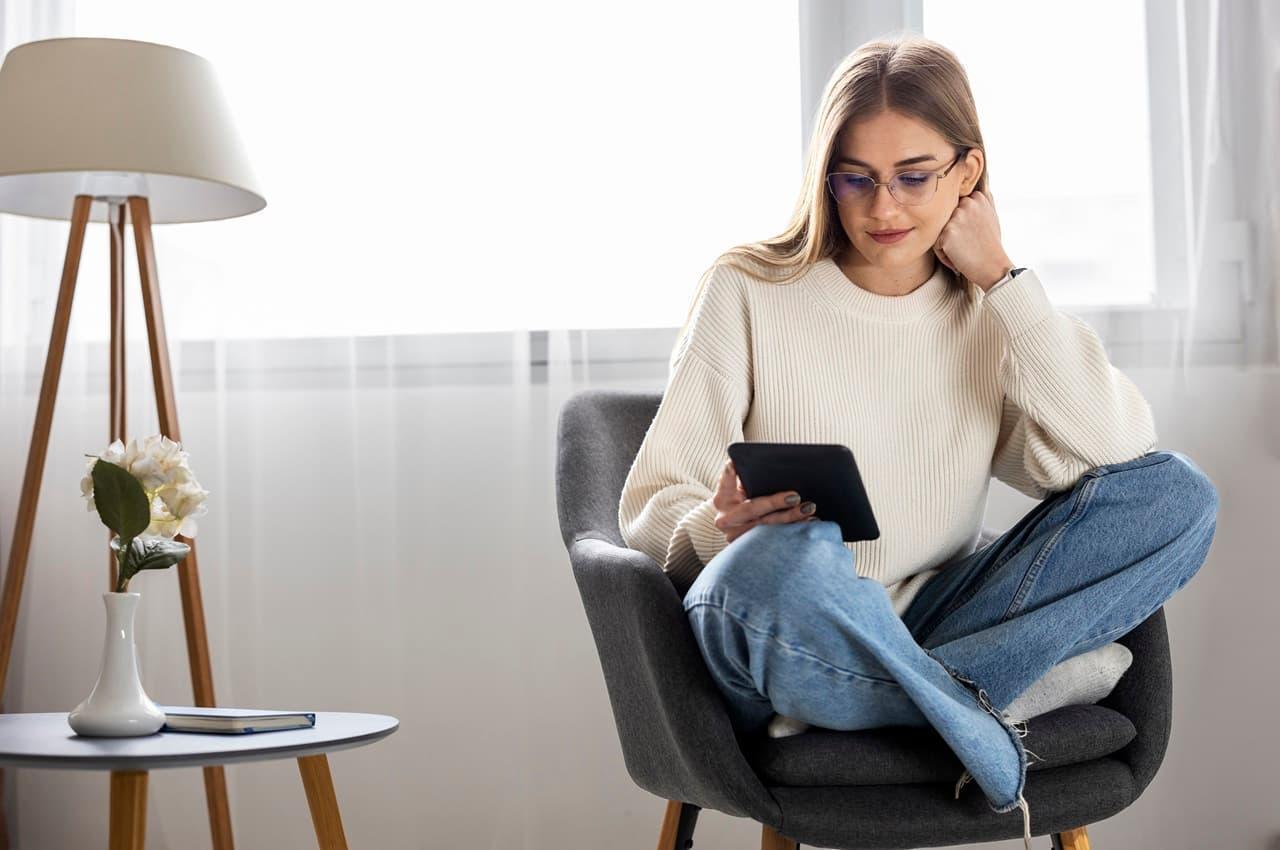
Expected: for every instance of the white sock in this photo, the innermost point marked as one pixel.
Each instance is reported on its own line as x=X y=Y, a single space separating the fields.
x=1080 y=680
x=782 y=726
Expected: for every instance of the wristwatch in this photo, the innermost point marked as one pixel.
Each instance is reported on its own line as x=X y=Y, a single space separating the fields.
x=1002 y=281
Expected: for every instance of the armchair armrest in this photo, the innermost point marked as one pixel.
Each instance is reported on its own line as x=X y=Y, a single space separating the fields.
x=1144 y=694
x=677 y=740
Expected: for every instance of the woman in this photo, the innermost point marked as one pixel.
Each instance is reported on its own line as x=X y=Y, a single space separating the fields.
x=940 y=365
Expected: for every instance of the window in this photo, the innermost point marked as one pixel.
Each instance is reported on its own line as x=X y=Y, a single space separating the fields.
x=472 y=167
x=1064 y=108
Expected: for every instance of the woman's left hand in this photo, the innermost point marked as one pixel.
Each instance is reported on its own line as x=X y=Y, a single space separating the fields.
x=969 y=243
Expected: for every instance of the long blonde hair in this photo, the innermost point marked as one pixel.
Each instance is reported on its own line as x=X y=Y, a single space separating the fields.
x=910 y=74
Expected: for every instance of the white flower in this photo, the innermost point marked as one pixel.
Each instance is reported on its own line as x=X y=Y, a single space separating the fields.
x=179 y=506
x=160 y=465
x=153 y=462
x=86 y=485
x=114 y=452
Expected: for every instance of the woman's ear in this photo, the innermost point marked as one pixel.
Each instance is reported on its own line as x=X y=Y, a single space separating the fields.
x=973 y=166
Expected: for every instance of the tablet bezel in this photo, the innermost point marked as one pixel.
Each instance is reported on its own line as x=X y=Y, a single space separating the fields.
x=824 y=473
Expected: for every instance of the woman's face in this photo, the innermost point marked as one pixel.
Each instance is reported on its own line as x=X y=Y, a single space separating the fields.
x=880 y=147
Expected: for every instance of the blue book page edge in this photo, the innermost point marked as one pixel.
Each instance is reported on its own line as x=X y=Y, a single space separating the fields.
x=204 y=711
x=245 y=731
x=306 y=719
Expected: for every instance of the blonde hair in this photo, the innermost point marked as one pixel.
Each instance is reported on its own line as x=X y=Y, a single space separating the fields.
x=910 y=74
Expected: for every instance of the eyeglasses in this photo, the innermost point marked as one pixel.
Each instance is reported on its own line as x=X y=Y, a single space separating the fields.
x=910 y=187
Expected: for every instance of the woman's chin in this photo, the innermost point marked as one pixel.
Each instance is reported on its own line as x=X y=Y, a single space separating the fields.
x=898 y=254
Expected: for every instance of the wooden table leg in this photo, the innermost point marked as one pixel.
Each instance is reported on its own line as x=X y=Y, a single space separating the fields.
x=323 y=801
x=128 y=809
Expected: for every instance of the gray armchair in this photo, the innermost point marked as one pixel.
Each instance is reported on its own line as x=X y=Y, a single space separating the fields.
x=877 y=788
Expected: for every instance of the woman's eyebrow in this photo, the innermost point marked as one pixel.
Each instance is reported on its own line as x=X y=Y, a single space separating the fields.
x=848 y=160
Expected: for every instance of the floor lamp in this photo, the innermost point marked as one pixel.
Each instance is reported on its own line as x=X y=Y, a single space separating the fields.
x=108 y=129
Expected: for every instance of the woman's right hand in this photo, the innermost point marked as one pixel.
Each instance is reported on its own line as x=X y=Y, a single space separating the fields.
x=736 y=514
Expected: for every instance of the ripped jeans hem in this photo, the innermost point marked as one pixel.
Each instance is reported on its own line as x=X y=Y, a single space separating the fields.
x=1016 y=729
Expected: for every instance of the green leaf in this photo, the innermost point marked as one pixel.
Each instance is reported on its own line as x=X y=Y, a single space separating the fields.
x=156 y=553
x=121 y=502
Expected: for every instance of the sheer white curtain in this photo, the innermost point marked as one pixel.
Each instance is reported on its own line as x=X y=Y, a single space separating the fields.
x=378 y=438
x=1229 y=91
x=1232 y=104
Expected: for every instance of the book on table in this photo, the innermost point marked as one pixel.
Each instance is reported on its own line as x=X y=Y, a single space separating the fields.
x=236 y=721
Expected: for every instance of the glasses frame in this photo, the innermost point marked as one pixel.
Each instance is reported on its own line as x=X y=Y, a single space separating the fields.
x=937 y=173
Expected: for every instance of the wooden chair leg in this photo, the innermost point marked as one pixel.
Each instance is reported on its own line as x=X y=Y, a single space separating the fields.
x=771 y=839
x=678 y=822
x=670 y=822
x=128 y=809
x=1072 y=839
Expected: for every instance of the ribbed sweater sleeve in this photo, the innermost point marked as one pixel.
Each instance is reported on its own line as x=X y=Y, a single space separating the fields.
x=666 y=508
x=1066 y=409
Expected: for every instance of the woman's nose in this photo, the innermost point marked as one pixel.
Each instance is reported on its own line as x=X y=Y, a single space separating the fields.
x=883 y=203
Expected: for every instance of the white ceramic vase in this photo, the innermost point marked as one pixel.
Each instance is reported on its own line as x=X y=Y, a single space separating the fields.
x=118 y=707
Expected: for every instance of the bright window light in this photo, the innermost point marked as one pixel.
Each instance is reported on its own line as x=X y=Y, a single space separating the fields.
x=1062 y=95
x=472 y=167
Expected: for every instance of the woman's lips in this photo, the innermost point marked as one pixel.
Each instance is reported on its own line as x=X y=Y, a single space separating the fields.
x=890 y=238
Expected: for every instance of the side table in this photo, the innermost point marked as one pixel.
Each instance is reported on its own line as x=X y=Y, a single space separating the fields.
x=45 y=740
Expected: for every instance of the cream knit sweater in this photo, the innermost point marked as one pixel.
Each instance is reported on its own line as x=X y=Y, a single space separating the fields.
x=932 y=394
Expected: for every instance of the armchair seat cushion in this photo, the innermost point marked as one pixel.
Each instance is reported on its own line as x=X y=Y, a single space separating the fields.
x=894 y=755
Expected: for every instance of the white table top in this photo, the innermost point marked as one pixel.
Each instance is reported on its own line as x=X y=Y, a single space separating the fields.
x=46 y=740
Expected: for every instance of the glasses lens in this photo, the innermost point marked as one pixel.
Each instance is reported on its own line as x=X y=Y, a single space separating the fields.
x=911 y=187
x=914 y=187
x=849 y=187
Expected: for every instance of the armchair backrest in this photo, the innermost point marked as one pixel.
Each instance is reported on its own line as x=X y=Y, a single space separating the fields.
x=598 y=436
x=677 y=740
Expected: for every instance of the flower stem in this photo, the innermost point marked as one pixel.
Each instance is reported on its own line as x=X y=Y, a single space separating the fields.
x=122 y=577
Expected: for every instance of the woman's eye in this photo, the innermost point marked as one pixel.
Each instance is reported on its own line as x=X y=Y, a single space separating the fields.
x=913 y=178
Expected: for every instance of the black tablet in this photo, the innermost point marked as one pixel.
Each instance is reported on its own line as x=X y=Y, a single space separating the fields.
x=822 y=473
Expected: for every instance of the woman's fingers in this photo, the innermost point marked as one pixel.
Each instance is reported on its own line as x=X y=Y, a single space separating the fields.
x=942 y=255
x=738 y=514
x=732 y=531
x=768 y=510
x=727 y=489
x=796 y=514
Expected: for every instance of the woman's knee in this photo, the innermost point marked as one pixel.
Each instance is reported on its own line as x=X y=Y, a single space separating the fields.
x=1166 y=486
x=1188 y=493
x=765 y=560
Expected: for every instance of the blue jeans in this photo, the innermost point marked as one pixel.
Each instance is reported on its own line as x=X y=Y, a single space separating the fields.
x=786 y=625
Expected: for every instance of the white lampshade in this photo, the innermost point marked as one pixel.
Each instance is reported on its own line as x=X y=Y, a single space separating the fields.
x=115 y=117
